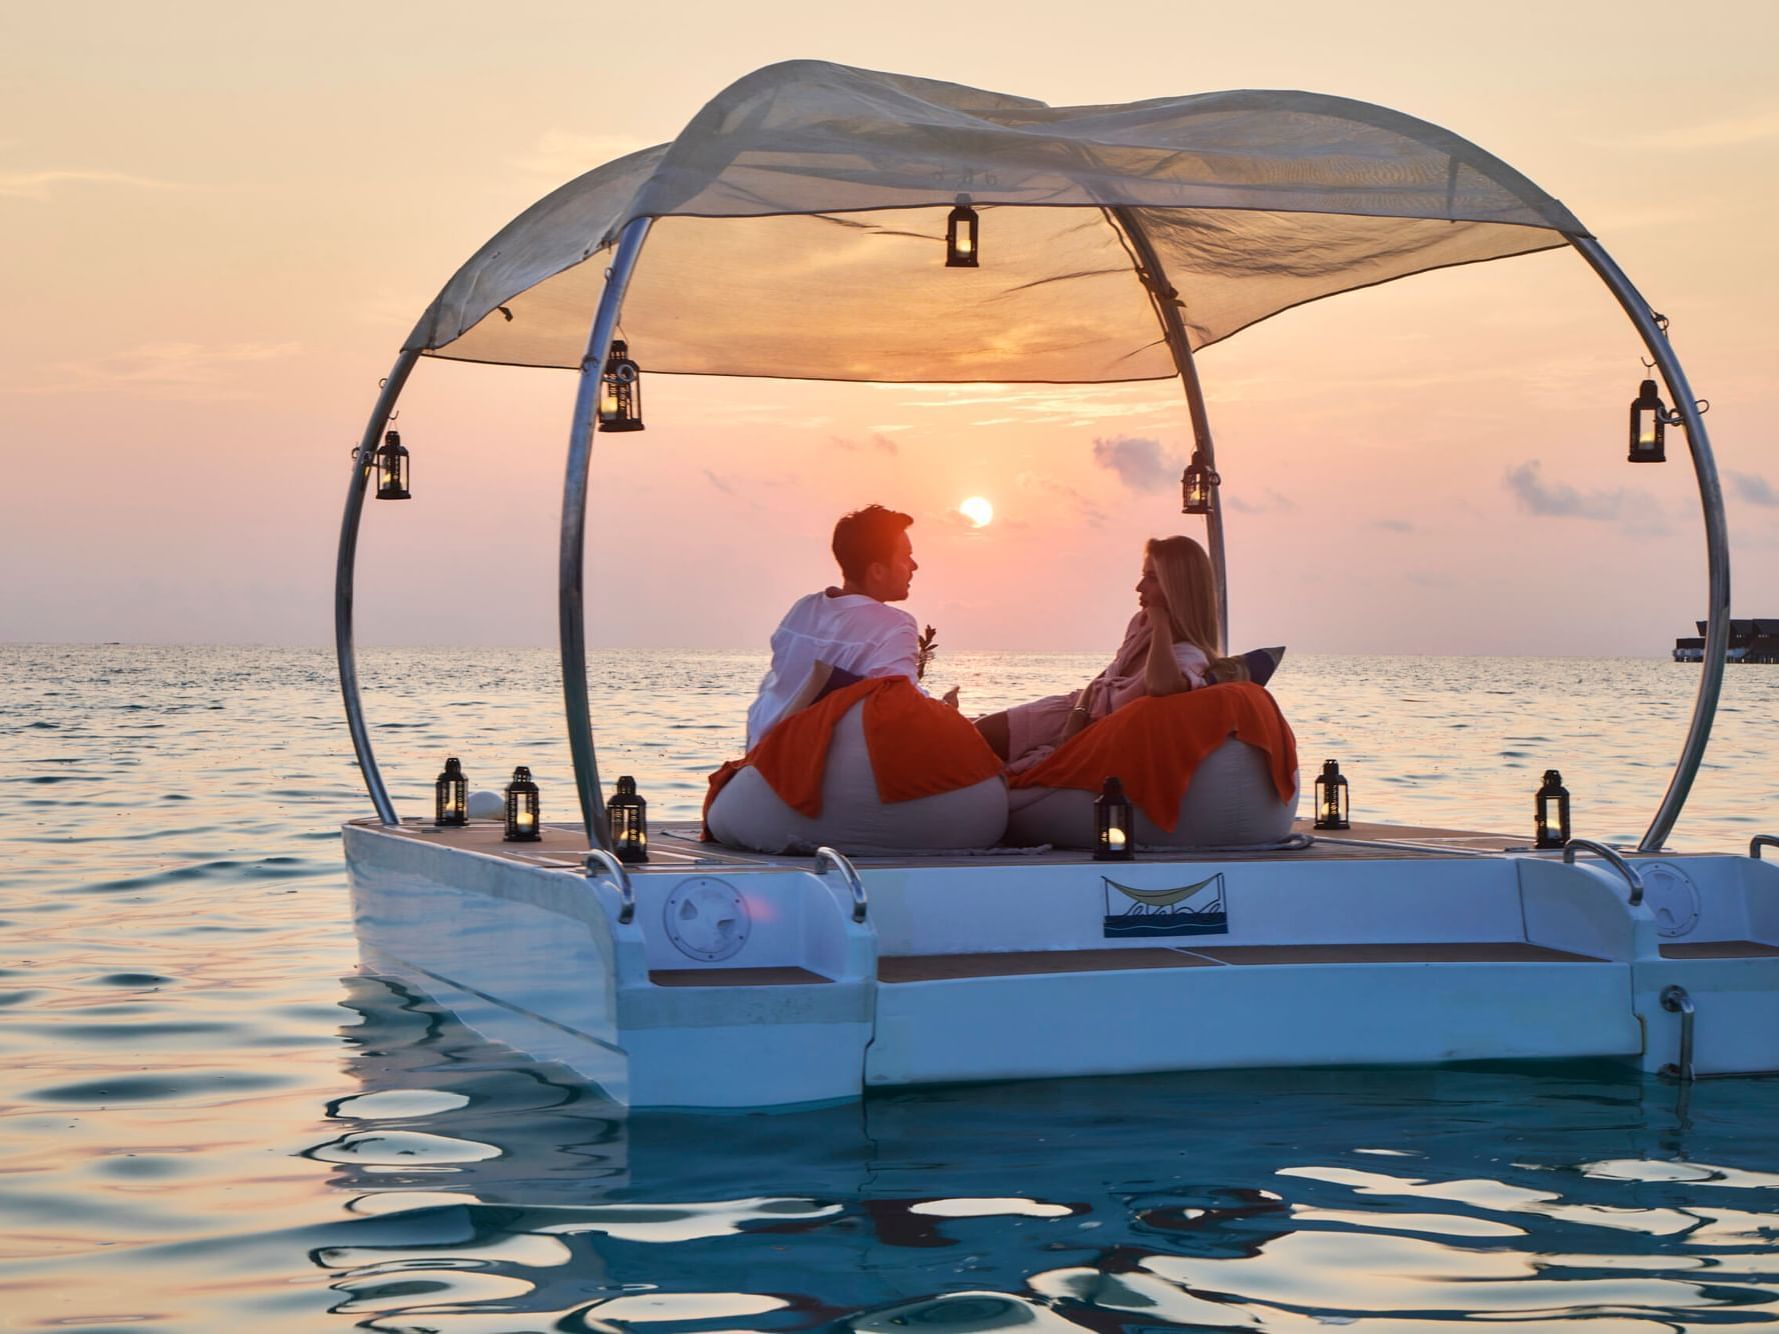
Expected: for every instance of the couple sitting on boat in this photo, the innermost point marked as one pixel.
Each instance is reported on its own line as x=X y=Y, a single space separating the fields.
x=844 y=747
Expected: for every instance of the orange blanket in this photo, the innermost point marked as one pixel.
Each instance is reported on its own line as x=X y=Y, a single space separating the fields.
x=919 y=747
x=1154 y=745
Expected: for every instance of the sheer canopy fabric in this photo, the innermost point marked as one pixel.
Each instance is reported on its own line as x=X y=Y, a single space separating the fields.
x=801 y=221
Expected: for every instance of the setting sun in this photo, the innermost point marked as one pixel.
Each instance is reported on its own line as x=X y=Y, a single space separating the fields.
x=977 y=510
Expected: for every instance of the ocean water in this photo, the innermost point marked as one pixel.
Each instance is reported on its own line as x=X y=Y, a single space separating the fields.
x=209 y=1120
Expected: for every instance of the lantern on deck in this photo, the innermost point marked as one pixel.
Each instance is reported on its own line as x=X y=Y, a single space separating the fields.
x=1648 y=416
x=392 y=469
x=523 y=814
x=1552 y=808
x=1112 y=828
x=451 y=795
x=620 y=391
x=1331 y=797
x=1198 y=486
x=629 y=817
x=960 y=236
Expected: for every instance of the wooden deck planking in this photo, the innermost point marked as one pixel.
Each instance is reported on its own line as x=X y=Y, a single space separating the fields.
x=1025 y=963
x=677 y=848
x=735 y=977
x=1720 y=949
x=1456 y=951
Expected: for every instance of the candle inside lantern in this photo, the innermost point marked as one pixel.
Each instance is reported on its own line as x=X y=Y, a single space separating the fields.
x=1115 y=839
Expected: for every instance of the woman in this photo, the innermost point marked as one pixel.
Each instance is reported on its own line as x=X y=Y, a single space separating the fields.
x=1170 y=646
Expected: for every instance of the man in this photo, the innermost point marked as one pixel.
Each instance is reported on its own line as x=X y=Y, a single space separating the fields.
x=851 y=629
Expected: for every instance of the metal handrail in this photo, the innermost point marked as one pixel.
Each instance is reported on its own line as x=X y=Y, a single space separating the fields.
x=345 y=564
x=1760 y=841
x=1717 y=541
x=570 y=576
x=851 y=875
x=600 y=861
x=1676 y=1001
x=1619 y=864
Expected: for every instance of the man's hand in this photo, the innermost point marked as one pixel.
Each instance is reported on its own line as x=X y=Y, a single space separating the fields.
x=950 y=697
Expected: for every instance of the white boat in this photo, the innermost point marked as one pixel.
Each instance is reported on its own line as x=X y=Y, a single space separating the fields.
x=797 y=227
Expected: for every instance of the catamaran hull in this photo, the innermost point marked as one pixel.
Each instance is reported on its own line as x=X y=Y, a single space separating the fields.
x=1014 y=969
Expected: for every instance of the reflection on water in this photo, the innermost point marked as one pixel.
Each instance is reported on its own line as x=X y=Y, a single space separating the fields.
x=204 y=1128
x=1251 y=1199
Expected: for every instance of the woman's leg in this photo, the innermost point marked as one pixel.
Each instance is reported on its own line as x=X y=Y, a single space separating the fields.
x=993 y=727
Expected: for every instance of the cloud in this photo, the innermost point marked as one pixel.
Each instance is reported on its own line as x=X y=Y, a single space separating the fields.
x=163 y=370
x=562 y=155
x=1756 y=490
x=1393 y=525
x=40 y=184
x=1272 y=500
x=1537 y=498
x=1138 y=461
x=722 y=484
x=876 y=440
x=1085 y=510
x=1729 y=132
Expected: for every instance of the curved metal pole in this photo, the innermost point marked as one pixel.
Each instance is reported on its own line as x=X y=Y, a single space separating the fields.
x=1717 y=541
x=570 y=598
x=362 y=463
x=1167 y=305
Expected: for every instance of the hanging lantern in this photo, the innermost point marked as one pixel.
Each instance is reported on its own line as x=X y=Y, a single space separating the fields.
x=1198 y=486
x=1331 y=797
x=1552 y=808
x=1112 y=824
x=451 y=795
x=392 y=469
x=522 y=808
x=960 y=236
x=629 y=816
x=1647 y=419
x=620 y=391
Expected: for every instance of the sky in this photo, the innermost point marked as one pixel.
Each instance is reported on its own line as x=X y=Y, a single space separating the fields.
x=219 y=221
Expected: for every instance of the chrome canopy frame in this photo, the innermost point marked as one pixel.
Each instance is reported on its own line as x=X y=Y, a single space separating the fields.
x=571 y=565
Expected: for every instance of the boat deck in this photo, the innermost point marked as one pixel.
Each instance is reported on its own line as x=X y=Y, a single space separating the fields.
x=676 y=849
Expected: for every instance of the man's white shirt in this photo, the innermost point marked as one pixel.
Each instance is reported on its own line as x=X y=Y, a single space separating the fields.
x=848 y=631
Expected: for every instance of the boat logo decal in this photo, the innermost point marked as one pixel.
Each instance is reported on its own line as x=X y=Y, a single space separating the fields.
x=1187 y=910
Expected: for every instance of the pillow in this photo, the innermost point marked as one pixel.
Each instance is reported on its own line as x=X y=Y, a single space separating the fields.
x=1262 y=663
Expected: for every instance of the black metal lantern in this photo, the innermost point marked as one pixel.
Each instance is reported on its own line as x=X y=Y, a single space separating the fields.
x=1198 y=486
x=392 y=469
x=960 y=236
x=1112 y=826
x=620 y=391
x=1648 y=416
x=1552 y=808
x=451 y=795
x=629 y=816
x=523 y=813
x=1331 y=797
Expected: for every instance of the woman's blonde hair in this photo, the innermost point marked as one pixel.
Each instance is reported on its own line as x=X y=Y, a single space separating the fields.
x=1184 y=573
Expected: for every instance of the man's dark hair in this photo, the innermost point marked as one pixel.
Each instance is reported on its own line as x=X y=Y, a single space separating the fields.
x=865 y=536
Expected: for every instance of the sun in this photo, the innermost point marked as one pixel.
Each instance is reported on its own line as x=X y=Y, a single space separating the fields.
x=977 y=510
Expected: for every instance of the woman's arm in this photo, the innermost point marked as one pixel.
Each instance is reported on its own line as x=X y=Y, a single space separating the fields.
x=1161 y=674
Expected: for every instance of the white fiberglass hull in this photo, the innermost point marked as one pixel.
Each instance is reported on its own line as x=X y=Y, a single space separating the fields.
x=1007 y=968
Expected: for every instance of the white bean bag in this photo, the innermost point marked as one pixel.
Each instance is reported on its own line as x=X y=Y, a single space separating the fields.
x=747 y=813
x=1230 y=803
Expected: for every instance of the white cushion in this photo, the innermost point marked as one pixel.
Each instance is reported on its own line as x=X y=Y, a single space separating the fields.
x=1230 y=803
x=747 y=813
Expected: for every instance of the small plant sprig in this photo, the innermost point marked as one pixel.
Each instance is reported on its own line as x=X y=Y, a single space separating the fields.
x=926 y=648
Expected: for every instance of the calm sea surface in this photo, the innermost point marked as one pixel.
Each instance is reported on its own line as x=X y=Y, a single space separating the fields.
x=210 y=1121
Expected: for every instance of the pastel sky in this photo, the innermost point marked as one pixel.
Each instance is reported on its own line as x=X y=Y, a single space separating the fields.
x=220 y=220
